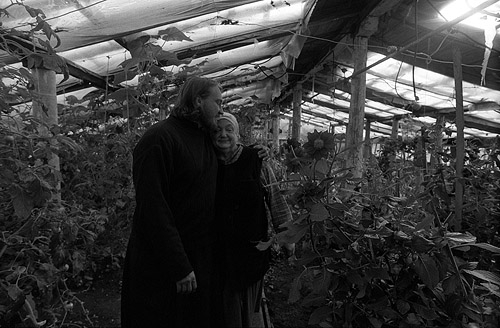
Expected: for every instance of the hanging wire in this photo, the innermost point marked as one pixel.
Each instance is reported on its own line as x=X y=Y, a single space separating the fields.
x=439 y=46
x=65 y=14
x=396 y=82
x=425 y=56
x=272 y=76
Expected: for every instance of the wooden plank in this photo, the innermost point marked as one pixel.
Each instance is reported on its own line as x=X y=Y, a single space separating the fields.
x=297 y=100
x=438 y=141
x=460 y=145
x=45 y=109
x=354 y=135
x=470 y=121
x=276 y=126
x=368 y=144
x=395 y=128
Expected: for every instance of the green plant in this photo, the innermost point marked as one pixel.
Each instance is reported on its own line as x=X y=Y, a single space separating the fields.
x=45 y=244
x=373 y=259
x=34 y=47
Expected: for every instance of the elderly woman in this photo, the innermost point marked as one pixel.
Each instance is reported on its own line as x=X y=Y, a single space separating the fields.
x=245 y=185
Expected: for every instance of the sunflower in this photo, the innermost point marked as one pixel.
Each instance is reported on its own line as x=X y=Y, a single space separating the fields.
x=319 y=144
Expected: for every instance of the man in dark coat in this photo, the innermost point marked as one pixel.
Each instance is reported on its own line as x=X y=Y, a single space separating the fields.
x=167 y=272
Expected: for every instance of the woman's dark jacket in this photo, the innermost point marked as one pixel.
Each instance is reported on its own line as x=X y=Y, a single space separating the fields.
x=241 y=221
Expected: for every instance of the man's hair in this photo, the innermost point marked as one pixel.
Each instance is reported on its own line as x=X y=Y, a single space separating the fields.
x=192 y=88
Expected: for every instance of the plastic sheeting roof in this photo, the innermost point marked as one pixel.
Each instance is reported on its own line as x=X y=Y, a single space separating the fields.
x=94 y=34
x=259 y=50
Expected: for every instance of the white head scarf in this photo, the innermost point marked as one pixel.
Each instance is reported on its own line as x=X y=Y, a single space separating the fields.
x=232 y=119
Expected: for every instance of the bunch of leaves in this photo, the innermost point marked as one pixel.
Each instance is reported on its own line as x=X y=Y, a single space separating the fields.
x=156 y=87
x=33 y=46
x=99 y=176
x=27 y=179
x=46 y=246
x=44 y=258
x=374 y=260
x=392 y=265
x=391 y=151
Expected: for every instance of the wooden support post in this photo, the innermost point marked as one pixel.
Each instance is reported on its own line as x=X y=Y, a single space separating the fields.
x=420 y=160
x=45 y=104
x=354 y=135
x=394 y=136
x=276 y=127
x=395 y=128
x=439 y=137
x=368 y=144
x=438 y=142
x=45 y=110
x=460 y=122
x=297 y=111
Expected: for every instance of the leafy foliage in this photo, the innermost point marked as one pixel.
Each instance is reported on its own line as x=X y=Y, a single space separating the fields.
x=376 y=251
x=373 y=259
x=33 y=47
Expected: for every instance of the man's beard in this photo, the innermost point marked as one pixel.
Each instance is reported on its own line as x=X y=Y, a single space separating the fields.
x=207 y=122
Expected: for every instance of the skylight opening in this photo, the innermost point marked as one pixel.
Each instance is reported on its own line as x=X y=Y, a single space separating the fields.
x=460 y=7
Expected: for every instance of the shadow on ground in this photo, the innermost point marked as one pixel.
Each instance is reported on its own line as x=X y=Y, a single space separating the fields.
x=100 y=304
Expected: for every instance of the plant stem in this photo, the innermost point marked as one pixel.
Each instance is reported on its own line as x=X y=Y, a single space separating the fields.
x=313 y=244
x=450 y=253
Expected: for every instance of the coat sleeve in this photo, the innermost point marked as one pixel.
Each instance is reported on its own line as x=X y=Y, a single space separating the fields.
x=275 y=201
x=154 y=222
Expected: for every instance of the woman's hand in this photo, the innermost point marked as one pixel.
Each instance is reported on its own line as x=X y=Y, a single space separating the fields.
x=264 y=152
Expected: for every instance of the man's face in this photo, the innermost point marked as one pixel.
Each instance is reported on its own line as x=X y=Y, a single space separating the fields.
x=210 y=107
x=225 y=136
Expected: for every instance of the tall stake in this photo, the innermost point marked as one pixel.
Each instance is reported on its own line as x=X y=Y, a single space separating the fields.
x=297 y=111
x=354 y=135
x=460 y=145
x=45 y=109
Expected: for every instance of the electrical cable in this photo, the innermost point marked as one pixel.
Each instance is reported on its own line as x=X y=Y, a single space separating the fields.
x=65 y=14
x=396 y=82
x=272 y=77
x=425 y=56
x=437 y=10
x=238 y=66
x=439 y=46
x=478 y=43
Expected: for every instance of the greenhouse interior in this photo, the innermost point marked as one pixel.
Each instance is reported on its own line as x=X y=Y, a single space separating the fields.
x=382 y=108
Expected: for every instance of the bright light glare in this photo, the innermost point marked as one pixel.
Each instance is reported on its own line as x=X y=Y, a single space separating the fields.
x=460 y=7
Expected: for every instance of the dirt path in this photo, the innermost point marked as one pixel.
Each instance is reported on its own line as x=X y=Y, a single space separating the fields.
x=277 y=288
x=102 y=300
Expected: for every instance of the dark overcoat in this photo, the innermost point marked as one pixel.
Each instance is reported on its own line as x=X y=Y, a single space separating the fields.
x=174 y=173
x=241 y=222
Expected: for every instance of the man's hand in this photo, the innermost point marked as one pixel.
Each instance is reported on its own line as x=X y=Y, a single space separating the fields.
x=187 y=284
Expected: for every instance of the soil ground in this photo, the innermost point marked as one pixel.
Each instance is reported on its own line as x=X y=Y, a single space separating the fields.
x=100 y=304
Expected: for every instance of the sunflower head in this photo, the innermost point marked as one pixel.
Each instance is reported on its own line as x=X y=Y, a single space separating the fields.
x=319 y=144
